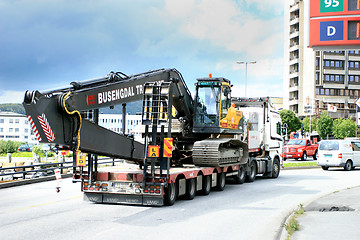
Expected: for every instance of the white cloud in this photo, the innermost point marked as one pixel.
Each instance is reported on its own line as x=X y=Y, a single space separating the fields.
x=11 y=96
x=224 y=24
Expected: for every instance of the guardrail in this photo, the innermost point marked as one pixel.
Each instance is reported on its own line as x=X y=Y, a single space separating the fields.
x=46 y=168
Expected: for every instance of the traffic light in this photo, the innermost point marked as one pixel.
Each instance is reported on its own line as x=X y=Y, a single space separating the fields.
x=302 y=131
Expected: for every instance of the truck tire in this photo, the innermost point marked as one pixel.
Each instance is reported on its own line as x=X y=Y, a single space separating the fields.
x=206 y=186
x=240 y=176
x=170 y=194
x=275 y=168
x=221 y=181
x=324 y=168
x=250 y=177
x=304 y=156
x=190 y=189
x=348 y=165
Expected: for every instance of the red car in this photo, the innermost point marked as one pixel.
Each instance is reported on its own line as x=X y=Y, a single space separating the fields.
x=300 y=148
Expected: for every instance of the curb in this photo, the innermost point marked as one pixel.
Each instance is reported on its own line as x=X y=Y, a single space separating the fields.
x=282 y=233
x=29 y=181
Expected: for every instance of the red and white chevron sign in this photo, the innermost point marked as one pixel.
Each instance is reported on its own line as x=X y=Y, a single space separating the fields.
x=34 y=128
x=46 y=127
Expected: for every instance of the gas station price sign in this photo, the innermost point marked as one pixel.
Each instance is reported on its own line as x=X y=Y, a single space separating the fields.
x=334 y=23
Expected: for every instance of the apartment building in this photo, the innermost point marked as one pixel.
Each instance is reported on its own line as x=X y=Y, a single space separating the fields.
x=316 y=79
x=16 y=127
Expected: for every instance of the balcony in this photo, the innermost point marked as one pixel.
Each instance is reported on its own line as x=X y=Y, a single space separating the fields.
x=328 y=56
x=294 y=61
x=294 y=34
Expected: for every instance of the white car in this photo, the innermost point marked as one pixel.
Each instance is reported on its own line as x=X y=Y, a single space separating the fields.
x=339 y=153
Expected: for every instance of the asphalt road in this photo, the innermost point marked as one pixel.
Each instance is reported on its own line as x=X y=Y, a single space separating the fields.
x=251 y=210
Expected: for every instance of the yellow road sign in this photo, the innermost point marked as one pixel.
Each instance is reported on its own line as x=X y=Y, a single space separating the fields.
x=80 y=159
x=153 y=151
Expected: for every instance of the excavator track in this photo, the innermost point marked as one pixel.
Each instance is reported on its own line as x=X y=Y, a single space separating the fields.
x=219 y=152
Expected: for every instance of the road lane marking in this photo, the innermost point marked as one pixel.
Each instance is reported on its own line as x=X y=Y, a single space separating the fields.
x=41 y=205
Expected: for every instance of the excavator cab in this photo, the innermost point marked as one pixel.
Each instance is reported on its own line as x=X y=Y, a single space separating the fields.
x=213 y=110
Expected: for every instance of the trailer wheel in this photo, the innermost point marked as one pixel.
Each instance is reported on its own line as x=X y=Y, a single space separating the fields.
x=221 y=181
x=190 y=189
x=206 y=188
x=275 y=168
x=250 y=177
x=240 y=176
x=170 y=194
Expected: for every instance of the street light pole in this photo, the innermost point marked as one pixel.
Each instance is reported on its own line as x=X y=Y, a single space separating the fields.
x=246 y=63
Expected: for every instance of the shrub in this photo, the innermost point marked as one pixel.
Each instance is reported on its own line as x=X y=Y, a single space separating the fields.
x=8 y=146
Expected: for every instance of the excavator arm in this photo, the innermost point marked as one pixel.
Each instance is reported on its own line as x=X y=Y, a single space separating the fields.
x=55 y=115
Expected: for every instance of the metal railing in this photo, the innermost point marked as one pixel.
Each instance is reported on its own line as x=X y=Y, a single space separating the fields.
x=46 y=168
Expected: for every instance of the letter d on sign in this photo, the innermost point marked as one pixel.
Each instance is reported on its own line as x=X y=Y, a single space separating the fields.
x=331 y=31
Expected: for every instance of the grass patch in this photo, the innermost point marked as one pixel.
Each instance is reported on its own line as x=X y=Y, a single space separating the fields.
x=299 y=164
x=292 y=224
x=19 y=154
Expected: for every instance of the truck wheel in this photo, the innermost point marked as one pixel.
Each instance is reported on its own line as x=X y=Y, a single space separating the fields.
x=252 y=174
x=221 y=181
x=190 y=189
x=304 y=156
x=348 y=165
x=170 y=194
x=240 y=176
x=206 y=187
x=275 y=168
x=324 y=168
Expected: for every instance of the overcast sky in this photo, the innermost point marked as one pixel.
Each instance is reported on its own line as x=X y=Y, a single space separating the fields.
x=46 y=44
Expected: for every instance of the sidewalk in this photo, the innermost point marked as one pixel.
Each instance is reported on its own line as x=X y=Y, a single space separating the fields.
x=334 y=216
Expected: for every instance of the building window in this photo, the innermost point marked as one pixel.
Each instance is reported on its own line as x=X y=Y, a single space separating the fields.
x=16 y=129
x=1 y=120
x=11 y=120
x=11 y=129
x=17 y=120
x=1 y=129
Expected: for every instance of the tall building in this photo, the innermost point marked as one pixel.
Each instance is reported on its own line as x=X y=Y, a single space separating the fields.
x=16 y=127
x=316 y=80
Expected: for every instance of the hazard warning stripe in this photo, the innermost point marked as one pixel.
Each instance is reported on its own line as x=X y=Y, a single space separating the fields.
x=46 y=127
x=168 y=144
x=34 y=128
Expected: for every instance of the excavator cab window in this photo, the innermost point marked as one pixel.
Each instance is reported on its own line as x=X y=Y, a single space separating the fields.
x=225 y=101
x=207 y=105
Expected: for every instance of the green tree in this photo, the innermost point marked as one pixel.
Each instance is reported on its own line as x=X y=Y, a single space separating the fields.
x=324 y=125
x=344 y=128
x=306 y=122
x=289 y=117
x=8 y=146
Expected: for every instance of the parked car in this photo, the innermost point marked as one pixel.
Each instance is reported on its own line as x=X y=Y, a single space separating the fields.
x=339 y=153
x=25 y=148
x=300 y=148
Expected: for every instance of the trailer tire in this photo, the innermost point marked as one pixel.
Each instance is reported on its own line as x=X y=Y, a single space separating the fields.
x=275 y=168
x=171 y=192
x=221 y=181
x=206 y=187
x=250 y=177
x=240 y=176
x=190 y=189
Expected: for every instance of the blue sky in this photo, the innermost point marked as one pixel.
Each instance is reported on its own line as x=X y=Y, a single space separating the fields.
x=46 y=44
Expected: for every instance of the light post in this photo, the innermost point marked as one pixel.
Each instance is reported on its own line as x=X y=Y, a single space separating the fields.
x=246 y=63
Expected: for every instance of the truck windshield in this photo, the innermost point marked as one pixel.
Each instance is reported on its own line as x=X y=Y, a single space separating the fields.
x=296 y=142
x=329 y=145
